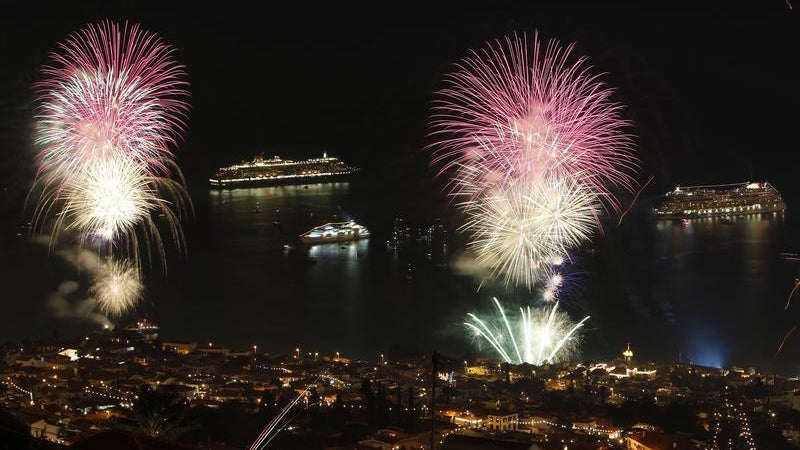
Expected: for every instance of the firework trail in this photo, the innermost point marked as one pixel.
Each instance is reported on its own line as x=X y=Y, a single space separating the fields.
x=791 y=294
x=540 y=335
x=785 y=337
x=518 y=232
x=517 y=109
x=271 y=430
x=117 y=287
x=636 y=197
x=109 y=111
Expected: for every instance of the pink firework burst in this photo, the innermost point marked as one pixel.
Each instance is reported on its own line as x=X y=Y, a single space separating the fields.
x=112 y=89
x=110 y=110
x=526 y=109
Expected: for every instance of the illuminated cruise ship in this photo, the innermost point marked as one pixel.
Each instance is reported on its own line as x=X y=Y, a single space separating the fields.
x=335 y=232
x=281 y=171
x=720 y=200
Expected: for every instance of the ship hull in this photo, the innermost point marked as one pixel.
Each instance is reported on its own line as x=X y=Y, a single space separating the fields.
x=674 y=216
x=279 y=181
x=331 y=239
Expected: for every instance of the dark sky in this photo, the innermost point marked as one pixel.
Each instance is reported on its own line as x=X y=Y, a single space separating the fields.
x=712 y=88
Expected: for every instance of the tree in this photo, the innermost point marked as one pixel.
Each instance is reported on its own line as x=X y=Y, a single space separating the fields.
x=15 y=435
x=382 y=408
x=771 y=438
x=369 y=402
x=412 y=415
x=337 y=413
x=398 y=407
x=756 y=390
x=313 y=412
x=156 y=413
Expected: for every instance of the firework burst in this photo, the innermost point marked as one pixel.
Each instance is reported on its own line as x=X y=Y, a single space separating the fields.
x=109 y=111
x=520 y=231
x=539 y=336
x=109 y=198
x=535 y=148
x=520 y=109
x=111 y=89
x=117 y=287
x=113 y=201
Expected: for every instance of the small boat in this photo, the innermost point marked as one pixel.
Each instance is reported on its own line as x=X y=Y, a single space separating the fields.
x=335 y=232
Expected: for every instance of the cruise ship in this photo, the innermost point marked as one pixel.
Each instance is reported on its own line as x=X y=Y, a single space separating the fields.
x=335 y=232
x=720 y=200
x=262 y=171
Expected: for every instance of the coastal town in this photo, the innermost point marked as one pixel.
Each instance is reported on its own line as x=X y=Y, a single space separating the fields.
x=60 y=392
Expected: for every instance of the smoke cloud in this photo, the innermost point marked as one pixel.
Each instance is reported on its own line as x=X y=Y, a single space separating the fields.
x=70 y=300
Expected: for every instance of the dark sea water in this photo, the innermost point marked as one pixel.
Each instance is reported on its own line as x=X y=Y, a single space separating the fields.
x=709 y=291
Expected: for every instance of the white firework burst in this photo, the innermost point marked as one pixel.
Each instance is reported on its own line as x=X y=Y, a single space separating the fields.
x=520 y=230
x=117 y=287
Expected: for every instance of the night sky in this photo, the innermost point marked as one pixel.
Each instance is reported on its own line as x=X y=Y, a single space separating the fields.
x=712 y=89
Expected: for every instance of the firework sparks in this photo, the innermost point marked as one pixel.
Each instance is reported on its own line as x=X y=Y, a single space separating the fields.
x=109 y=197
x=517 y=109
x=117 y=287
x=520 y=231
x=540 y=335
x=536 y=149
x=111 y=89
x=109 y=112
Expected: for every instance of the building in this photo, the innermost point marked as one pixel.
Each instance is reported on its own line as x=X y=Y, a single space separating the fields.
x=628 y=355
x=182 y=348
x=47 y=431
x=502 y=421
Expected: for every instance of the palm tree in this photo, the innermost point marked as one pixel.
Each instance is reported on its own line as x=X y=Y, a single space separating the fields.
x=156 y=413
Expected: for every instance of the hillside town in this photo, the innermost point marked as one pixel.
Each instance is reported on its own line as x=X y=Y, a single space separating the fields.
x=71 y=392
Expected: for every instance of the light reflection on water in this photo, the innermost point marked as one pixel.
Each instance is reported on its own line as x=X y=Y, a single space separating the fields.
x=710 y=290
